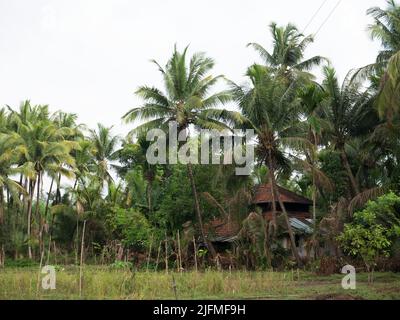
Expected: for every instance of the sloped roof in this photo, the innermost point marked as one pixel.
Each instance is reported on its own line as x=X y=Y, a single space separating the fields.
x=301 y=226
x=221 y=230
x=263 y=195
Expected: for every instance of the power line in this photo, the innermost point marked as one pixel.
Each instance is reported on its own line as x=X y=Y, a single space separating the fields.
x=327 y=18
x=315 y=14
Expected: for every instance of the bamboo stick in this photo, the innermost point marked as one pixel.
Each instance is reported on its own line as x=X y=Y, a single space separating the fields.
x=148 y=258
x=195 y=254
x=166 y=253
x=158 y=255
x=179 y=253
x=81 y=265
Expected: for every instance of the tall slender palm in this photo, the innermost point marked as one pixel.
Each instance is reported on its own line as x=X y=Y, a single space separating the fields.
x=345 y=109
x=105 y=144
x=10 y=152
x=311 y=100
x=388 y=98
x=65 y=122
x=386 y=29
x=274 y=120
x=187 y=101
x=45 y=146
x=286 y=58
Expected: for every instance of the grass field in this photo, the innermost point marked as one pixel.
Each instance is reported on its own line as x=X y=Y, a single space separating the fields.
x=105 y=283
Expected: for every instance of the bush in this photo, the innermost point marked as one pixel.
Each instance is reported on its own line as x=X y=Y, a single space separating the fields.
x=132 y=227
x=372 y=233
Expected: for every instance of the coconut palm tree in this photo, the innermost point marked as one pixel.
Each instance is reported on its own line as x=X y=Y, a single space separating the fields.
x=132 y=156
x=105 y=144
x=346 y=111
x=45 y=146
x=311 y=98
x=187 y=101
x=274 y=116
x=286 y=58
x=10 y=152
x=386 y=29
x=388 y=97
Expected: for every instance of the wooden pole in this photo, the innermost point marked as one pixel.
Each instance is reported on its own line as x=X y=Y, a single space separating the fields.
x=166 y=253
x=179 y=253
x=148 y=258
x=195 y=253
x=77 y=239
x=38 y=277
x=158 y=255
x=81 y=266
x=55 y=252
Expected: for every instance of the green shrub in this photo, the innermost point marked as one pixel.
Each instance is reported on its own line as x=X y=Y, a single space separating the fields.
x=373 y=231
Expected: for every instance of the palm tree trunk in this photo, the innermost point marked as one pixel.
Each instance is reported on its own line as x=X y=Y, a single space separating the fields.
x=149 y=192
x=21 y=177
x=32 y=185
x=345 y=163
x=198 y=211
x=48 y=198
x=275 y=191
x=37 y=212
x=75 y=184
x=271 y=178
x=314 y=195
x=1 y=206
x=58 y=193
x=8 y=198
x=314 y=205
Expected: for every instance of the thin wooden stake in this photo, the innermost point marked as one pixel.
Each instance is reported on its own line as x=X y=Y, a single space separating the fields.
x=81 y=266
x=166 y=253
x=148 y=258
x=77 y=240
x=38 y=277
x=179 y=253
x=195 y=254
x=48 y=251
x=158 y=255
x=55 y=252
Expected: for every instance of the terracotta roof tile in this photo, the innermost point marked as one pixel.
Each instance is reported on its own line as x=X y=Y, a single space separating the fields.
x=263 y=195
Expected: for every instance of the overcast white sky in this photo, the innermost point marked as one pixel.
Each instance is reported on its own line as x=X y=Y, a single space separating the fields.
x=89 y=56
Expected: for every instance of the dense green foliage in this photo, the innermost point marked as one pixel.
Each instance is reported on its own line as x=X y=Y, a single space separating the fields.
x=373 y=231
x=65 y=187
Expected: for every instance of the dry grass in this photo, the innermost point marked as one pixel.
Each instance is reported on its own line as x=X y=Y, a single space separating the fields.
x=105 y=283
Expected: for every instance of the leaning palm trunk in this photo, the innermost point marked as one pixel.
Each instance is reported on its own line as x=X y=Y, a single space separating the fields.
x=271 y=177
x=198 y=211
x=48 y=198
x=345 y=163
x=276 y=194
